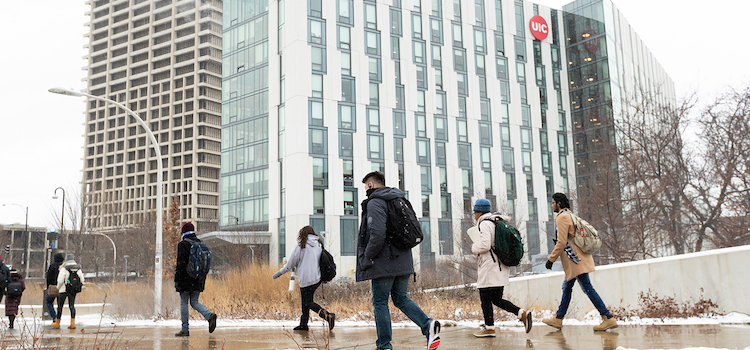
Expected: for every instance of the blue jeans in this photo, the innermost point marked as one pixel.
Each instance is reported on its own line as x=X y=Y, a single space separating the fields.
x=185 y=313
x=51 y=308
x=396 y=288
x=587 y=288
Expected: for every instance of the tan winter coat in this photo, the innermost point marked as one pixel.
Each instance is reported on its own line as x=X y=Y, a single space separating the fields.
x=566 y=230
x=489 y=273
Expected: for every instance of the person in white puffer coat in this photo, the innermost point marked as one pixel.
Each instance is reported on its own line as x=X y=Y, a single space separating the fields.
x=69 y=266
x=492 y=275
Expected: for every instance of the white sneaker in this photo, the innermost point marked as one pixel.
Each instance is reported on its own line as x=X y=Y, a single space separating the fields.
x=433 y=338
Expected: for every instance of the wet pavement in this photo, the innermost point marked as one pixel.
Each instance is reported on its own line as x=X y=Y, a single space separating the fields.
x=457 y=337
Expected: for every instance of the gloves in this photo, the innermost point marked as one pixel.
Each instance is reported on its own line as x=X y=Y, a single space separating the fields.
x=277 y=275
x=549 y=265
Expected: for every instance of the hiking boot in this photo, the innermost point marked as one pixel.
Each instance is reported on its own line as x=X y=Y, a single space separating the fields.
x=182 y=334
x=607 y=323
x=55 y=323
x=554 y=322
x=211 y=323
x=485 y=331
x=72 y=323
x=433 y=338
x=331 y=319
x=301 y=328
x=527 y=321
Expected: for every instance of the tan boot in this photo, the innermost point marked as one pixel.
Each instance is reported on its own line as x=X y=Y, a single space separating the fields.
x=607 y=323
x=485 y=331
x=72 y=323
x=56 y=323
x=526 y=319
x=554 y=322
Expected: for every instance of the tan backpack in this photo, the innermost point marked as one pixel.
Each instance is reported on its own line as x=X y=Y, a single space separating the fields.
x=586 y=238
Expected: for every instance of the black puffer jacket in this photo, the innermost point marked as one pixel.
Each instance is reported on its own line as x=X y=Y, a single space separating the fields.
x=54 y=269
x=182 y=281
x=376 y=258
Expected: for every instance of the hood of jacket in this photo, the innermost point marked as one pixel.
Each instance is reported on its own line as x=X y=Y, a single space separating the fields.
x=59 y=258
x=312 y=241
x=385 y=193
x=492 y=217
x=72 y=265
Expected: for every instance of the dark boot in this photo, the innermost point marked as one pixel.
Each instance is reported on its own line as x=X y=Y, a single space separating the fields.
x=330 y=317
x=301 y=328
x=11 y=319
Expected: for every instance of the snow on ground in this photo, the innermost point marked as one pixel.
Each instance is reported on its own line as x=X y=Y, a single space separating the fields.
x=622 y=348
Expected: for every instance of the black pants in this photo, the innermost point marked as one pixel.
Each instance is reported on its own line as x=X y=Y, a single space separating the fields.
x=494 y=295
x=71 y=303
x=308 y=303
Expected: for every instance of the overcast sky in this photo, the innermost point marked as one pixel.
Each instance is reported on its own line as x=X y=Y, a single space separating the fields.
x=703 y=46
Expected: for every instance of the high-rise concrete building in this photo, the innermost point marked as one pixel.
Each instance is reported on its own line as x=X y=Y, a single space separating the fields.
x=453 y=100
x=162 y=59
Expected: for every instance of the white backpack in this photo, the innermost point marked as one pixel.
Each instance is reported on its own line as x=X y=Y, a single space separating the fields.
x=586 y=237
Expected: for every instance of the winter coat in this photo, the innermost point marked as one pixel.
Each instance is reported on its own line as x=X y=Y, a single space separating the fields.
x=182 y=281
x=376 y=258
x=565 y=230
x=64 y=275
x=7 y=273
x=54 y=269
x=11 y=304
x=489 y=272
x=307 y=262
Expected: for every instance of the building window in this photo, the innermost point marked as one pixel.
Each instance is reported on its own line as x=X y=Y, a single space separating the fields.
x=349 y=232
x=316 y=113
x=318 y=141
x=464 y=160
x=347 y=118
x=372 y=45
x=437 y=58
x=426 y=180
x=396 y=22
x=508 y=164
x=316 y=8
x=461 y=131
x=510 y=185
x=344 y=38
x=319 y=203
x=419 y=52
x=347 y=90
x=423 y=151
x=375 y=146
x=395 y=48
x=399 y=123
x=320 y=172
x=441 y=128
x=348 y=172
x=526 y=156
x=445 y=206
x=446 y=238
x=317 y=32
x=526 y=142
x=425 y=205
x=346 y=144
x=436 y=31
x=373 y=120
x=371 y=18
x=350 y=202
x=317 y=85
x=346 y=63
x=485 y=134
x=398 y=149
x=416 y=25
x=486 y=159
x=318 y=59
x=440 y=153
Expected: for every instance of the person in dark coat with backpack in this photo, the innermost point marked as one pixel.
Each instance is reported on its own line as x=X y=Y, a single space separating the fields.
x=492 y=275
x=15 y=289
x=306 y=259
x=4 y=277
x=52 y=272
x=189 y=288
x=69 y=279
x=387 y=266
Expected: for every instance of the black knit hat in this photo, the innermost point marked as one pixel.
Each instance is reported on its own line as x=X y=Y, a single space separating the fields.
x=187 y=227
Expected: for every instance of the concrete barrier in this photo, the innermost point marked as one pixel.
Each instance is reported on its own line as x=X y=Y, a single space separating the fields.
x=720 y=275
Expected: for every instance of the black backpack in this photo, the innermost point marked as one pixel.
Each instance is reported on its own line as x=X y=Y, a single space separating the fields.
x=327 y=266
x=73 y=285
x=508 y=245
x=15 y=289
x=402 y=228
x=199 y=263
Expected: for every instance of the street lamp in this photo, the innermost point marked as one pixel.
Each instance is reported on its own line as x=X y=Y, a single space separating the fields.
x=159 y=192
x=28 y=236
x=114 y=250
x=126 y=267
x=62 y=222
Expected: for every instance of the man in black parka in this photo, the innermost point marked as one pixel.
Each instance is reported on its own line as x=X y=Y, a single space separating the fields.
x=388 y=267
x=189 y=288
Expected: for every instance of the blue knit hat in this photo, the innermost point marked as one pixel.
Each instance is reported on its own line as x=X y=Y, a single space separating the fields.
x=482 y=206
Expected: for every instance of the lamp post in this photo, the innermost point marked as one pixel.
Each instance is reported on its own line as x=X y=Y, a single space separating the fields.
x=28 y=236
x=62 y=223
x=159 y=192
x=126 y=267
x=114 y=250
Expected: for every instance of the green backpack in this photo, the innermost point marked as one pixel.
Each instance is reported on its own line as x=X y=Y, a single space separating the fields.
x=508 y=243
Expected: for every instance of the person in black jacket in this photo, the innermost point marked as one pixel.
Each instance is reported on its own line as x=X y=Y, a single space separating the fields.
x=52 y=272
x=189 y=288
x=5 y=283
x=388 y=267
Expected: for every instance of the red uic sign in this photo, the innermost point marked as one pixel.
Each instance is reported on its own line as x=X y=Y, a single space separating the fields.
x=539 y=27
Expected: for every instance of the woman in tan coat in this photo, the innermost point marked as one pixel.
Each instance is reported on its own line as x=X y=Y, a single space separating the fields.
x=492 y=275
x=576 y=265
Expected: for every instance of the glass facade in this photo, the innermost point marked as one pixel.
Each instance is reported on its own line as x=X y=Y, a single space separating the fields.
x=245 y=107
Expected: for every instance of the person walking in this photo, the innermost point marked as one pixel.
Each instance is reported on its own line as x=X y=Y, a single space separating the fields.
x=52 y=272
x=4 y=277
x=387 y=267
x=189 y=288
x=492 y=275
x=306 y=259
x=15 y=290
x=69 y=282
x=576 y=264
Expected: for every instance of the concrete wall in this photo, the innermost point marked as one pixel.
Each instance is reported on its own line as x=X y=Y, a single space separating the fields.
x=721 y=273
